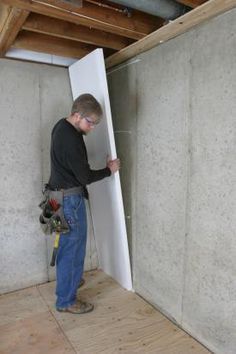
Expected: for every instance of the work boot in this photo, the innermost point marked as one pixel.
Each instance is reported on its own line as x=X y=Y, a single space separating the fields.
x=79 y=307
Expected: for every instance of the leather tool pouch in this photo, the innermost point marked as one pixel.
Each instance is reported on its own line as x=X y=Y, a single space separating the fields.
x=52 y=217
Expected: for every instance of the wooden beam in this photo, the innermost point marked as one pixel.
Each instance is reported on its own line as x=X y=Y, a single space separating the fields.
x=173 y=29
x=192 y=3
x=77 y=3
x=11 y=27
x=4 y=13
x=50 y=26
x=51 y=45
x=136 y=27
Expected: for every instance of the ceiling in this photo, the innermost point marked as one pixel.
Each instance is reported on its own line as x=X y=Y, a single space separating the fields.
x=74 y=28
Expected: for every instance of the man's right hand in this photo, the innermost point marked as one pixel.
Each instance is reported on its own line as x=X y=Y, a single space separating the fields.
x=113 y=165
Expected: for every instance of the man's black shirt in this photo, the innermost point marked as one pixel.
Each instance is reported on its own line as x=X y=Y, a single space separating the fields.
x=69 y=162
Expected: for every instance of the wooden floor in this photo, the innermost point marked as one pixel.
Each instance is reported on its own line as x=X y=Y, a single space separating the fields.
x=122 y=322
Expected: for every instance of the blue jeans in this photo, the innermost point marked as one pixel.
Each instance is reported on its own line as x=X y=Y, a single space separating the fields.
x=71 y=251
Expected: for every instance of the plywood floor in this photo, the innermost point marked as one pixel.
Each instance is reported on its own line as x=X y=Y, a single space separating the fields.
x=122 y=322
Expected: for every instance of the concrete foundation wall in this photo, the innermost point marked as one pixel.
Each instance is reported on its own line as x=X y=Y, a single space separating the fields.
x=178 y=102
x=122 y=89
x=32 y=98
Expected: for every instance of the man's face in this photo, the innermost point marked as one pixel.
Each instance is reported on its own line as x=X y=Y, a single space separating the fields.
x=86 y=124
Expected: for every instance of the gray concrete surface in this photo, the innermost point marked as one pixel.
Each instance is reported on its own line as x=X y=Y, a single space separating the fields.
x=209 y=303
x=32 y=98
x=183 y=193
x=123 y=103
x=163 y=94
x=22 y=246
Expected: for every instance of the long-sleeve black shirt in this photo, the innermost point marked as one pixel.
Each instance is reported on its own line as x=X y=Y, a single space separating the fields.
x=69 y=162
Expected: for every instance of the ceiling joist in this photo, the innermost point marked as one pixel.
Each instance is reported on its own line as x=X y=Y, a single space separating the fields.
x=51 y=45
x=4 y=13
x=73 y=28
x=182 y=24
x=11 y=25
x=61 y=29
x=191 y=3
x=90 y=15
x=67 y=3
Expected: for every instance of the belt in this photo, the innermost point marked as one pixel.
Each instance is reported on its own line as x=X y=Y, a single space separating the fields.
x=72 y=191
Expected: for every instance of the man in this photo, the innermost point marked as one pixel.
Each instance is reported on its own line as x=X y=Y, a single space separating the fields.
x=71 y=173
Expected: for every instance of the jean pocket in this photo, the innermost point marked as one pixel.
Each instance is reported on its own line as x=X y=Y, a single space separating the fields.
x=72 y=205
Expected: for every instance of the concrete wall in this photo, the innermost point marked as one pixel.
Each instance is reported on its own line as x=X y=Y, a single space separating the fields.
x=122 y=88
x=178 y=102
x=32 y=98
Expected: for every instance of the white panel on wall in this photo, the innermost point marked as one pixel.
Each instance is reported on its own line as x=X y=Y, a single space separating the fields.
x=88 y=75
x=39 y=57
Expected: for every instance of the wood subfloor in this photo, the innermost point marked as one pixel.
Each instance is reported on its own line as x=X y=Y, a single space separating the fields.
x=121 y=322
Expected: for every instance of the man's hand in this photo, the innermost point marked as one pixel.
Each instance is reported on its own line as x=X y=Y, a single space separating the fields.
x=114 y=165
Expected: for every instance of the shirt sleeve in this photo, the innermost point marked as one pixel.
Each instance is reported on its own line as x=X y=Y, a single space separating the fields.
x=77 y=162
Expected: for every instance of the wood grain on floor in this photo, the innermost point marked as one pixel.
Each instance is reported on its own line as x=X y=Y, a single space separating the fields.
x=121 y=322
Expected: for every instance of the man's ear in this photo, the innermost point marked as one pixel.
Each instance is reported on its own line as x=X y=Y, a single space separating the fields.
x=78 y=117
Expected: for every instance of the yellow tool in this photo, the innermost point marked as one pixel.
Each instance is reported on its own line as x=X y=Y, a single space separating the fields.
x=55 y=249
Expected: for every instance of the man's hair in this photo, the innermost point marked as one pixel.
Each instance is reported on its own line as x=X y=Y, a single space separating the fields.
x=86 y=105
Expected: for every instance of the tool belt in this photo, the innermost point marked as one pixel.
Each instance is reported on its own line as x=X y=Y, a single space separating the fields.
x=52 y=217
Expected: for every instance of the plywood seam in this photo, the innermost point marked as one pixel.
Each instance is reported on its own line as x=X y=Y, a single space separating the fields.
x=55 y=319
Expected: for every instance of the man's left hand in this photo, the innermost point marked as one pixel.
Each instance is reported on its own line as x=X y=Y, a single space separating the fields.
x=114 y=165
